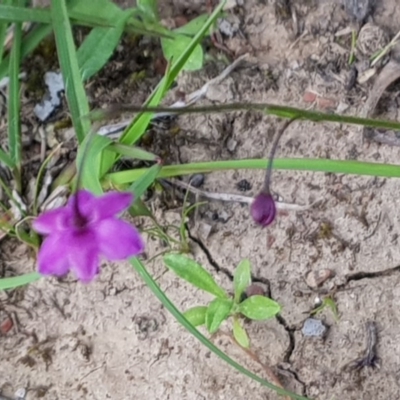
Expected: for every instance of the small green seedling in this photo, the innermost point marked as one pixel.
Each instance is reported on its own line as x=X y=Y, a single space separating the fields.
x=257 y=308
x=327 y=302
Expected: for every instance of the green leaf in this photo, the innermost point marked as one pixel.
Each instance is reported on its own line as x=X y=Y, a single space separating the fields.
x=135 y=130
x=196 y=315
x=217 y=312
x=14 y=104
x=89 y=161
x=30 y=42
x=167 y=303
x=12 y=13
x=149 y=8
x=74 y=89
x=330 y=303
x=240 y=334
x=100 y=44
x=259 y=308
x=288 y=164
x=132 y=152
x=16 y=281
x=193 y=26
x=141 y=185
x=139 y=209
x=193 y=273
x=173 y=48
x=241 y=279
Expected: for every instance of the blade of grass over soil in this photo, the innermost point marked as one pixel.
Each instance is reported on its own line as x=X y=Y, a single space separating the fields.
x=29 y=43
x=294 y=164
x=13 y=13
x=74 y=89
x=3 y=31
x=16 y=281
x=267 y=108
x=140 y=268
x=14 y=105
x=140 y=123
x=137 y=128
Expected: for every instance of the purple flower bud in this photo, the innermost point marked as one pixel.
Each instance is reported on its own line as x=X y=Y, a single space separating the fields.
x=263 y=209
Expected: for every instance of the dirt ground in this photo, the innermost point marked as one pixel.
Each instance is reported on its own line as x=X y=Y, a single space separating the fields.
x=113 y=339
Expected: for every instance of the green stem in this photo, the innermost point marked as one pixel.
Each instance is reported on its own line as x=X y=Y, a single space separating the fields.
x=272 y=109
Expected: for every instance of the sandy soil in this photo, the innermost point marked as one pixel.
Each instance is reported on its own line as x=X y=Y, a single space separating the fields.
x=113 y=340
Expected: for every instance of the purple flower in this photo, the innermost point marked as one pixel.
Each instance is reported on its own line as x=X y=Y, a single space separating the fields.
x=87 y=228
x=263 y=209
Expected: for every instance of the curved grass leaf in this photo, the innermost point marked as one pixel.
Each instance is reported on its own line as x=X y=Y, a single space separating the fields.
x=140 y=123
x=140 y=186
x=290 y=164
x=101 y=42
x=259 y=308
x=217 y=312
x=89 y=162
x=14 y=104
x=193 y=26
x=173 y=48
x=74 y=89
x=29 y=43
x=193 y=273
x=16 y=281
x=150 y=282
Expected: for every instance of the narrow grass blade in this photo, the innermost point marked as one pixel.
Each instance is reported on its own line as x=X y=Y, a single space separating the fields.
x=140 y=268
x=74 y=89
x=16 y=281
x=14 y=105
x=101 y=42
x=3 y=31
x=139 y=125
x=30 y=42
x=294 y=164
x=89 y=162
x=145 y=181
x=13 y=13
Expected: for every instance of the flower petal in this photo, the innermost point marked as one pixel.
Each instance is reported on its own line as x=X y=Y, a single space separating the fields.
x=53 y=221
x=118 y=240
x=52 y=258
x=109 y=204
x=83 y=255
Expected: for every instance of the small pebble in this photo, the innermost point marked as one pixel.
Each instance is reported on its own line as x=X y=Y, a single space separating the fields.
x=6 y=326
x=314 y=328
x=315 y=279
x=20 y=394
x=231 y=145
x=204 y=230
x=197 y=180
x=244 y=185
x=51 y=101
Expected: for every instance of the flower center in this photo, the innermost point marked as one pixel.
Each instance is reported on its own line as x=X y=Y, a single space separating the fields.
x=79 y=221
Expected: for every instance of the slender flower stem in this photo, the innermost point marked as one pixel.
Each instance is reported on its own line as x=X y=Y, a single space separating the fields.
x=267 y=108
x=267 y=180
